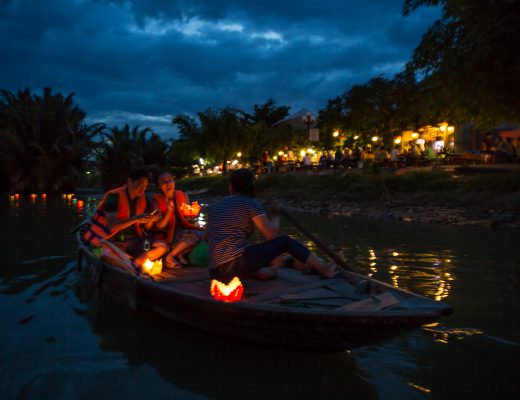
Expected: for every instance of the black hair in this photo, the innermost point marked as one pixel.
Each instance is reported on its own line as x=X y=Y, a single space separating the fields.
x=243 y=181
x=138 y=173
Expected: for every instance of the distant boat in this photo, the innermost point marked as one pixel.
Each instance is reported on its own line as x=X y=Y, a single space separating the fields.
x=294 y=310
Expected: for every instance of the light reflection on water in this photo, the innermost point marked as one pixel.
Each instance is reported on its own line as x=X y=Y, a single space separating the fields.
x=59 y=338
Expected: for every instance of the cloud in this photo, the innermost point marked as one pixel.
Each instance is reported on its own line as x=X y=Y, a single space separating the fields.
x=145 y=61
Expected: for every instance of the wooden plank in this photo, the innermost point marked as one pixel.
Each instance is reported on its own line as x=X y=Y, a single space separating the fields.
x=347 y=290
x=372 y=303
x=318 y=296
x=291 y=289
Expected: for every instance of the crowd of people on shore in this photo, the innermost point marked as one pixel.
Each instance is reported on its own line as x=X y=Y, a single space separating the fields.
x=149 y=228
x=500 y=150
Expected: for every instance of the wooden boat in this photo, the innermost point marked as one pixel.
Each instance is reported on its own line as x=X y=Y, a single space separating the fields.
x=293 y=310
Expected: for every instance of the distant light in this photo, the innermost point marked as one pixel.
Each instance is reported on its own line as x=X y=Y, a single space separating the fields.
x=335 y=133
x=239 y=154
x=356 y=137
x=235 y=162
x=415 y=135
x=280 y=153
x=302 y=153
x=375 y=138
x=397 y=140
x=201 y=161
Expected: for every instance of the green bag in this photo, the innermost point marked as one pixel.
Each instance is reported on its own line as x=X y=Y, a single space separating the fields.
x=199 y=255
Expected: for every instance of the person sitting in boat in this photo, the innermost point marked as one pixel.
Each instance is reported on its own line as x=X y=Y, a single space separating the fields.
x=173 y=228
x=121 y=216
x=232 y=220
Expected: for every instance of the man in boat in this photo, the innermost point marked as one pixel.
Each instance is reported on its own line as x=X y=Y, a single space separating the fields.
x=232 y=220
x=121 y=216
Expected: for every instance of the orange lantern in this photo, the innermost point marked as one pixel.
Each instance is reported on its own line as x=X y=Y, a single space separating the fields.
x=190 y=211
x=33 y=196
x=16 y=196
x=152 y=267
x=231 y=292
x=80 y=203
x=44 y=196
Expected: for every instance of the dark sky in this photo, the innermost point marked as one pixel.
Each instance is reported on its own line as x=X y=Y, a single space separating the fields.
x=144 y=61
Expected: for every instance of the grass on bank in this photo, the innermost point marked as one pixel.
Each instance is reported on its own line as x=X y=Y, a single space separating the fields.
x=499 y=191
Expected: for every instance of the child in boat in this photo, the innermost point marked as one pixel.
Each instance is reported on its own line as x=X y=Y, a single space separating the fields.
x=172 y=227
x=121 y=216
x=231 y=222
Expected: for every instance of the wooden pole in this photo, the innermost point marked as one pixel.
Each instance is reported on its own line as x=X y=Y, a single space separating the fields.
x=333 y=255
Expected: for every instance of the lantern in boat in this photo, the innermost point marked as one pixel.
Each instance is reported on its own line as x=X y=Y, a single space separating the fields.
x=228 y=293
x=152 y=267
x=190 y=211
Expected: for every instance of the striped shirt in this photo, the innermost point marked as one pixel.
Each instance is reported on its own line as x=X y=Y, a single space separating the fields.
x=230 y=223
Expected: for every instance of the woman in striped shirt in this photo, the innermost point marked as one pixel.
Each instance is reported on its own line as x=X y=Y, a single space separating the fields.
x=232 y=220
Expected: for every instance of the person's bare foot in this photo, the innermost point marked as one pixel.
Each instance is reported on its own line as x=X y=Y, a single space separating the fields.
x=329 y=270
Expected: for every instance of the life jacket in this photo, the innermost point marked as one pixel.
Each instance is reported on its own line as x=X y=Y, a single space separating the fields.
x=162 y=203
x=99 y=230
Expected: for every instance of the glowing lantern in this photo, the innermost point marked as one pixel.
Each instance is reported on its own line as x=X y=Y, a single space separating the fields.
x=228 y=293
x=33 y=196
x=80 y=204
x=44 y=196
x=16 y=196
x=190 y=211
x=152 y=267
x=11 y=197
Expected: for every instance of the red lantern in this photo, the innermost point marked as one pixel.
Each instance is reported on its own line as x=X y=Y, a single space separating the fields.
x=231 y=292
x=190 y=211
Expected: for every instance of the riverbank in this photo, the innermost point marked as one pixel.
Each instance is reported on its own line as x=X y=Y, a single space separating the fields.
x=417 y=195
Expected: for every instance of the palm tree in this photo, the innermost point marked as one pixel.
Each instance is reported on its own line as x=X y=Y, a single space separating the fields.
x=124 y=148
x=44 y=141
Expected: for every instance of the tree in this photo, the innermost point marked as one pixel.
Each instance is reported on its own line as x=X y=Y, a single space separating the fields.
x=267 y=133
x=44 y=141
x=125 y=148
x=470 y=60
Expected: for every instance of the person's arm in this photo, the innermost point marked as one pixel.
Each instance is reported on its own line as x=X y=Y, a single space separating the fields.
x=267 y=227
x=161 y=223
x=115 y=224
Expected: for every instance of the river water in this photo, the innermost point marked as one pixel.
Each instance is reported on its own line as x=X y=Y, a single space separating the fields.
x=61 y=339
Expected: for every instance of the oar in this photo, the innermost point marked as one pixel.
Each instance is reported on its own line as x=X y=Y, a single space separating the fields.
x=333 y=255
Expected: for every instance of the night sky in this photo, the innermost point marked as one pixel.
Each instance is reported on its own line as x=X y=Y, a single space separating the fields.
x=144 y=61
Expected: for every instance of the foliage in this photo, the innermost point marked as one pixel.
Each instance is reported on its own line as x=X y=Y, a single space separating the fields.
x=44 y=141
x=124 y=148
x=470 y=59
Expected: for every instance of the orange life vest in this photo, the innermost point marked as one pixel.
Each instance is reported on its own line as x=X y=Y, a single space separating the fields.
x=99 y=227
x=162 y=203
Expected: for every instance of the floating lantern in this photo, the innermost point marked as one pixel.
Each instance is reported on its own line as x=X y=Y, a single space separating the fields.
x=80 y=203
x=64 y=196
x=44 y=196
x=33 y=196
x=152 y=267
x=16 y=196
x=190 y=211
x=11 y=197
x=228 y=293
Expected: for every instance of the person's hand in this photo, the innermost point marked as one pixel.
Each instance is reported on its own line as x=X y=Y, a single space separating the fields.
x=147 y=217
x=274 y=208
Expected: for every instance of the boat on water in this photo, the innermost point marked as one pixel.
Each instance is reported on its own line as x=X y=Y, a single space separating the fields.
x=294 y=310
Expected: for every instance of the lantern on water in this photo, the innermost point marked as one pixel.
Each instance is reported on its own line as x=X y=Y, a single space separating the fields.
x=228 y=293
x=44 y=196
x=152 y=267
x=33 y=196
x=190 y=211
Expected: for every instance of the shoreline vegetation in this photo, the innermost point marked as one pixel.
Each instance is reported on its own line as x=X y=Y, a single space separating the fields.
x=441 y=196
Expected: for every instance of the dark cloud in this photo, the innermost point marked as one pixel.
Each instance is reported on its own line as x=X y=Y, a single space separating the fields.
x=143 y=61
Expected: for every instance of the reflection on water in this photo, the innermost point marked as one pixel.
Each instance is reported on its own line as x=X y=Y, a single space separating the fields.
x=60 y=338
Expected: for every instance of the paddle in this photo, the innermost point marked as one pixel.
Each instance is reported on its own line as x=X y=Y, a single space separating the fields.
x=334 y=256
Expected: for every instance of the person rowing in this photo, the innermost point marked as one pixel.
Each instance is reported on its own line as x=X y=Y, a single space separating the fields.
x=232 y=220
